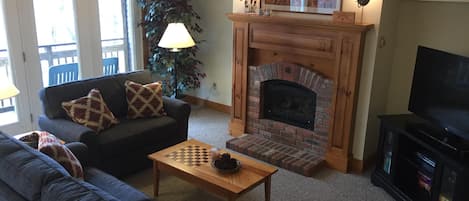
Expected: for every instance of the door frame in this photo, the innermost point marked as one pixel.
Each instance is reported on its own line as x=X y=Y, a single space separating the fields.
x=21 y=69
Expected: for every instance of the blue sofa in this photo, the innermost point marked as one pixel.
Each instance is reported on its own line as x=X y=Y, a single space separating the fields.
x=27 y=174
x=123 y=148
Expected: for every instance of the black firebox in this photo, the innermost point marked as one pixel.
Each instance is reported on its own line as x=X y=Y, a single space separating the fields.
x=288 y=102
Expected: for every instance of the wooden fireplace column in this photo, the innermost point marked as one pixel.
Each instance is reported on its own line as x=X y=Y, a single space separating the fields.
x=331 y=49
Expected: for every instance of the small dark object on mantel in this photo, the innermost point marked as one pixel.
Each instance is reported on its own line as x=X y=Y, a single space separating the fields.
x=31 y=139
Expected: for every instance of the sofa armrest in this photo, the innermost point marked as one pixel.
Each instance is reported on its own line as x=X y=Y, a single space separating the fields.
x=67 y=130
x=80 y=151
x=180 y=111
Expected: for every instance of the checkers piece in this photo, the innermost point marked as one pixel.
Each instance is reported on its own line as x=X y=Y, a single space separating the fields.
x=192 y=155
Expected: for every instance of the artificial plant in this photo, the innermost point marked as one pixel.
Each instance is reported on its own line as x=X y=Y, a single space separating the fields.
x=157 y=15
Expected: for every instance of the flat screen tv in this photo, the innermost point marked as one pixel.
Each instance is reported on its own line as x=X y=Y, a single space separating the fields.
x=440 y=90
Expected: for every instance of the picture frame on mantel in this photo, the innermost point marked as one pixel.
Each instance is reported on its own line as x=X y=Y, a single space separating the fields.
x=303 y=6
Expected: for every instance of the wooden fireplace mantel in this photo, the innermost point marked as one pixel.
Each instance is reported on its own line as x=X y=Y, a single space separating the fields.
x=332 y=49
x=321 y=24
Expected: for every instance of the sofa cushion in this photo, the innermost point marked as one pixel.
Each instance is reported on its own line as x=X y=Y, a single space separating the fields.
x=51 y=146
x=25 y=169
x=70 y=189
x=90 y=111
x=111 y=88
x=6 y=193
x=144 y=100
x=113 y=186
x=135 y=134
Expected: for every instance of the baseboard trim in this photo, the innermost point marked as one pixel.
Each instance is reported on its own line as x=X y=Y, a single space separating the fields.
x=210 y=104
x=360 y=166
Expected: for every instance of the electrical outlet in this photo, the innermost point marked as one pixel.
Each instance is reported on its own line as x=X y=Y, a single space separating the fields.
x=214 y=85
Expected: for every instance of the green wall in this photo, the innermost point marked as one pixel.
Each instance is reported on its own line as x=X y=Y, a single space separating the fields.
x=216 y=51
x=437 y=25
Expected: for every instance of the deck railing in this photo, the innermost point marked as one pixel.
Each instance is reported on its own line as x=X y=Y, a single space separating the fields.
x=67 y=52
x=56 y=54
x=6 y=105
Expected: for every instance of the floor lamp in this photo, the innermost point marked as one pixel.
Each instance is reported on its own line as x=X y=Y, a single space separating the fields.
x=176 y=37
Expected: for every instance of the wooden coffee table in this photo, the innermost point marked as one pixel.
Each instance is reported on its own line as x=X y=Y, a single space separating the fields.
x=177 y=160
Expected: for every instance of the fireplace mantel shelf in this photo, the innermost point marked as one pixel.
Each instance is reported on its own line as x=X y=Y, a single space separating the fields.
x=332 y=50
x=317 y=23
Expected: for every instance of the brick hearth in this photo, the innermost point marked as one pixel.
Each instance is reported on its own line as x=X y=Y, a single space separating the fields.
x=278 y=154
x=297 y=140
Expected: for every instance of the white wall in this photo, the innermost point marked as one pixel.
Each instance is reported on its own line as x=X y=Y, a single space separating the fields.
x=371 y=15
x=381 y=74
x=216 y=52
x=438 y=25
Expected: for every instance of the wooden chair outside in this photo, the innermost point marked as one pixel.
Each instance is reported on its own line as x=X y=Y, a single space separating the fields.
x=63 y=73
x=69 y=72
x=110 y=66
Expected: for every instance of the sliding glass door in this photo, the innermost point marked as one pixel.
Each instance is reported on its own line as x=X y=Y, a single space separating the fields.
x=8 y=111
x=57 y=41
x=15 y=111
x=49 y=42
x=114 y=37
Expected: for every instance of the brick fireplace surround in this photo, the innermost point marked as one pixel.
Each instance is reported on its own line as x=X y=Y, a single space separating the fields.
x=324 y=57
x=299 y=149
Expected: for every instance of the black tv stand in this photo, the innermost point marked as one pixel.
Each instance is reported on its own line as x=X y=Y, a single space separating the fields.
x=419 y=162
x=451 y=144
x=435 y=136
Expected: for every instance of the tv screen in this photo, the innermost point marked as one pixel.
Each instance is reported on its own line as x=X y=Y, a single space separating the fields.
x=440 y=90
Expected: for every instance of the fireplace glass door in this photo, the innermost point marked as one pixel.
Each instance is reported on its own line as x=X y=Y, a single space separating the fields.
x=288 y=102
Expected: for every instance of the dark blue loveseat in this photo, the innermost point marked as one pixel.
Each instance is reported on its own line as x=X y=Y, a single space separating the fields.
x=28 y=175
x=123 y=148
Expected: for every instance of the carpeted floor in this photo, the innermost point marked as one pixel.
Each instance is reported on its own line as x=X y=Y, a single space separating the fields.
x=211 y=127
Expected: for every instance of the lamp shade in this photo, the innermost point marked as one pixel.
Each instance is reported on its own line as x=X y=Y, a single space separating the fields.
x=7 y=90
x=175 y=37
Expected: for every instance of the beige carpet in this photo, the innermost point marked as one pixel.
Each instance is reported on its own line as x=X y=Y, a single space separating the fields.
x=212 y=127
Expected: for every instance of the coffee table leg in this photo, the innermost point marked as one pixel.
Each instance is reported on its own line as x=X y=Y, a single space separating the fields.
x=156 y=177
x=267 y=188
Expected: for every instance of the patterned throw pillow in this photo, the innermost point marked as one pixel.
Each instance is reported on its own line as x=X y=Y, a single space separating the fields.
x=144 y=100
x=51 y=146
x=90 y=111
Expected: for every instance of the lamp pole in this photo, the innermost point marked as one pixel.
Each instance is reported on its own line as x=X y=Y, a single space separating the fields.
x=175 y=75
